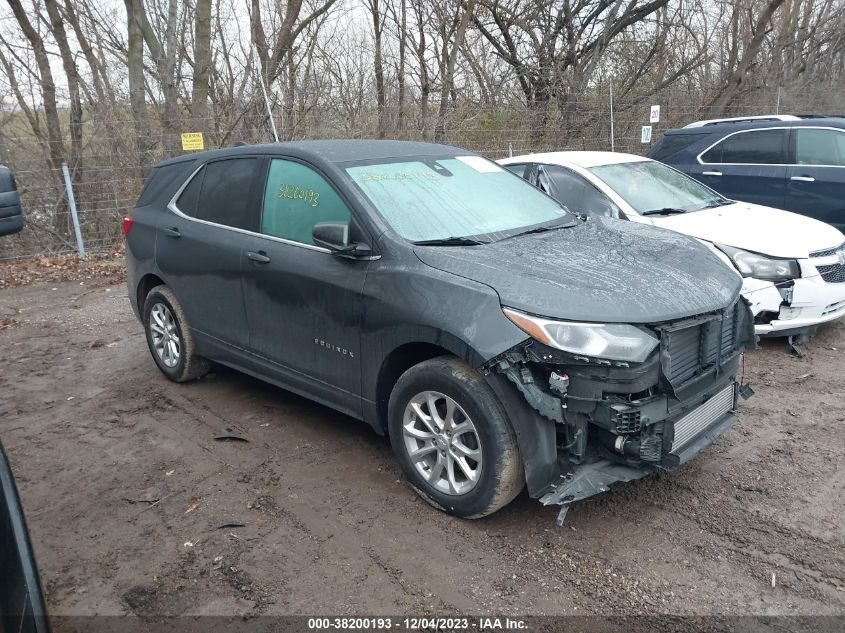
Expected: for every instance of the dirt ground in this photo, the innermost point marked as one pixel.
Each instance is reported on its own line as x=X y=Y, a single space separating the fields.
x=135 y=508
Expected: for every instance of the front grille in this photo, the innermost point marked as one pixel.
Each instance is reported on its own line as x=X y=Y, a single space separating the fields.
x=827 y=252
x=693 y=423
x=833 y=273
x=833 y=307
x=690 y=348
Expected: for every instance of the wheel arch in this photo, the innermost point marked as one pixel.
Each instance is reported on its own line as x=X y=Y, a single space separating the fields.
x=405 y=355
x=145 y=285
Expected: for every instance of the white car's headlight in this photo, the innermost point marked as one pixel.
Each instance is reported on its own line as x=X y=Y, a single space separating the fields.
x=760 y=266
x=613 y=341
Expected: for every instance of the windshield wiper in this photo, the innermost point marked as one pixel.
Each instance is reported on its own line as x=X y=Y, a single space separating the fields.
x=545 y=227
x=450 y=241
x=718 y=203
x=663 y=211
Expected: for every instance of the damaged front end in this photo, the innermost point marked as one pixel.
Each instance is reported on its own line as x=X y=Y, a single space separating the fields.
x=584 y=423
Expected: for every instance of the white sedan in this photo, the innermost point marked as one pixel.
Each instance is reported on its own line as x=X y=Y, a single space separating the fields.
x=793 y=266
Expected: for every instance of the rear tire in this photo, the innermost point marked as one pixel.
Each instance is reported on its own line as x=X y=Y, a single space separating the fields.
x=169 y=337
x=464 y=459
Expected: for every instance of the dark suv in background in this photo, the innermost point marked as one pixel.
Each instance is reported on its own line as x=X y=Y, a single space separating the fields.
x=788 y=162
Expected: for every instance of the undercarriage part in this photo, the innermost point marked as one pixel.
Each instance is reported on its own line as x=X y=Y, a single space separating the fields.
x=588 y=480
x=799 y=339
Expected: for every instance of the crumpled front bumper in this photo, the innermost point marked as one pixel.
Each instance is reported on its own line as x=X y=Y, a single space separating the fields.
x=692 y=432
x=789 y=308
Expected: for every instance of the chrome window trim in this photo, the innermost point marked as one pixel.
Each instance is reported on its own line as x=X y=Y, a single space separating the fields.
x=175 y=209
x=725 y=138
x=780 y=127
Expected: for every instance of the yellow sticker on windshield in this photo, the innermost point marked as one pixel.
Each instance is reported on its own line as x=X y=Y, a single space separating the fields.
x=292 y=192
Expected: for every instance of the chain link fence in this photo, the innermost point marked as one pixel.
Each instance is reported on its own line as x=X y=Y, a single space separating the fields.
x=109 y=171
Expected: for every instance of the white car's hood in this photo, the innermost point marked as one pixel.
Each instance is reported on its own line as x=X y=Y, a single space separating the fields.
x=756 y=228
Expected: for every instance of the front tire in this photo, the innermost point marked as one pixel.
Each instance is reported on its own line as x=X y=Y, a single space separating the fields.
x=453 y=439
x=169 y=337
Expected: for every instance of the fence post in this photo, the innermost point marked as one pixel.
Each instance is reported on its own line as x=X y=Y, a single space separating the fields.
x=612 y=139
x=72 y=203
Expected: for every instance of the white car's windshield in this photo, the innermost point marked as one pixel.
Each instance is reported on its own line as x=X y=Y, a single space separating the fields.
x=461 y=198
x=653 y=188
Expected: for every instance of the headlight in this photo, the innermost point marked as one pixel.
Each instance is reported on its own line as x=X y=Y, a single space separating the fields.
x=614 y=341
x=760 y=266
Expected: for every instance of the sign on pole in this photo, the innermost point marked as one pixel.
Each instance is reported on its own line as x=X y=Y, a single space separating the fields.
x=655 y=114
x=645 y=137
x=192 y=141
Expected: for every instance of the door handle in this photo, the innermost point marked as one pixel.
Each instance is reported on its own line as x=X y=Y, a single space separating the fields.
x=803 y=178
x=258 y=257
x=711 y=173
x=172 y=232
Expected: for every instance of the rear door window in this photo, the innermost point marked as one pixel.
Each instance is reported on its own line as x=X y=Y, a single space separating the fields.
x=757 y=147
x=224 y=196
x=819 y=147
x=295 y=199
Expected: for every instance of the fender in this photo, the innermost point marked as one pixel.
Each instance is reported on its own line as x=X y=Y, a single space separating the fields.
x=535 y=435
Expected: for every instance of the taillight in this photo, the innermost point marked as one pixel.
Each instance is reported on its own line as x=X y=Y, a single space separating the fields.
x=128 y=221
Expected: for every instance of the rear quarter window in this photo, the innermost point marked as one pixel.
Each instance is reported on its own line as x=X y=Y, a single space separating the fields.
x=163 y=182
x=672 y=144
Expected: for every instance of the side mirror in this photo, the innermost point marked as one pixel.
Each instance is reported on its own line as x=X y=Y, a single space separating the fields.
x=335 y=237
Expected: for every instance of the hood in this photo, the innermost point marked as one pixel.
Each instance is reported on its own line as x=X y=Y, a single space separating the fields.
x=601 y=271
x=755 y=228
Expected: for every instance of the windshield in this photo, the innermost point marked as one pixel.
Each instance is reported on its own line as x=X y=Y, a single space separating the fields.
x=651 y=186
x=461 y=196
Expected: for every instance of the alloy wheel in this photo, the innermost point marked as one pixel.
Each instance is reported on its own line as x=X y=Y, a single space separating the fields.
x=165 y=335
x=442 y=443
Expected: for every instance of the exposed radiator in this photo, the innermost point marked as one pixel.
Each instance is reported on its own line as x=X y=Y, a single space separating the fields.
x=697 y=420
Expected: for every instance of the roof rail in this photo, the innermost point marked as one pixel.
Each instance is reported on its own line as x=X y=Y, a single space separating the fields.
x=746 y=119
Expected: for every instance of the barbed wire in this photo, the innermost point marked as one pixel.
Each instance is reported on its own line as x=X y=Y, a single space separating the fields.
x=114 y=158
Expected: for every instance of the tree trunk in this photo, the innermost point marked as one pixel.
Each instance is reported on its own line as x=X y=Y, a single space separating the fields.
x=135 y=75
x=51 y=111
x=449 y=76
x=202 y=63
x=73 y=82
x=378 y=65
x=400 y=75
x=736 y=80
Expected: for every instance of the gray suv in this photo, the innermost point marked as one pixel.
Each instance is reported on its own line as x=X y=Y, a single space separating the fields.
x=498 y=339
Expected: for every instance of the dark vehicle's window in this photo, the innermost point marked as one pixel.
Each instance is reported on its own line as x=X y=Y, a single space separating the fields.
x=187 y=202
x=671 y=144
x=577 y=194
x=519 y=170
x=224 y=197
x=819 y=147
x=759 y=147
x=164 y=179
x=295 y=199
